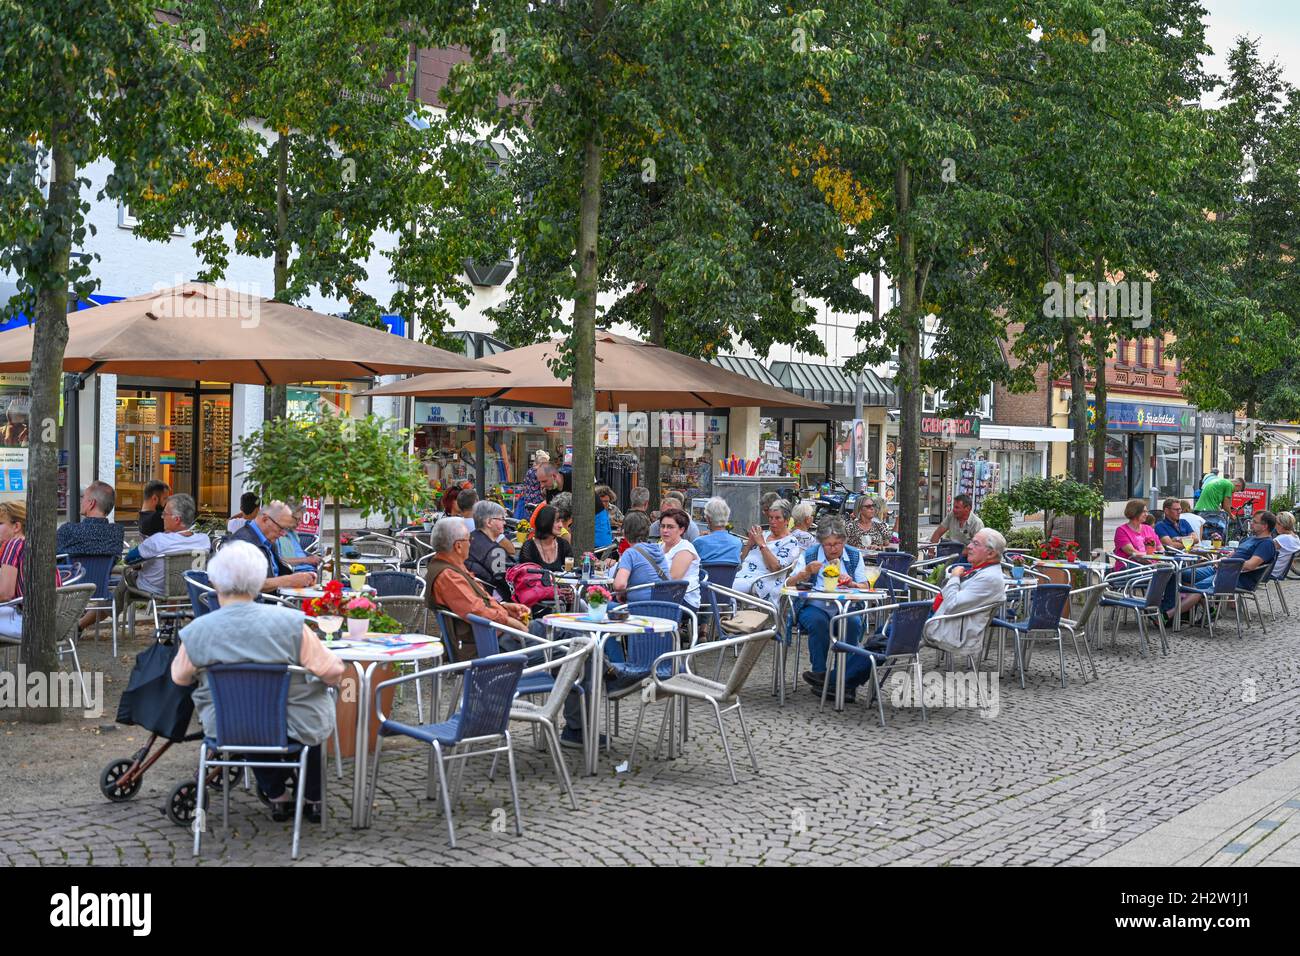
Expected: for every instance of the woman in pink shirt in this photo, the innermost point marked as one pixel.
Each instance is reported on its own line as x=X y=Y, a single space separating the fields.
x=1133 y=538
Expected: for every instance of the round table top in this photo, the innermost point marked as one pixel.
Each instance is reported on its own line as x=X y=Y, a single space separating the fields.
x=840 y=594
x=371 y=559
x=416 y=647
x=1071 y=564
x=636 y=624
x=575 y=577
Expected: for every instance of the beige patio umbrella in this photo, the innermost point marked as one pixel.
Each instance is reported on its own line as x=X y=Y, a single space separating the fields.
x=629 y=373
x=198 y=331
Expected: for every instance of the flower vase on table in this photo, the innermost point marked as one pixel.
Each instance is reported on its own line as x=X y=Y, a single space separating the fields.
x=358 y=627
x=357 y=577
x=598 y=604
x=830 y=577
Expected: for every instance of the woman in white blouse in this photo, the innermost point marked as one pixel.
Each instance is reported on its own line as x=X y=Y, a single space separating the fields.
x=765 y=553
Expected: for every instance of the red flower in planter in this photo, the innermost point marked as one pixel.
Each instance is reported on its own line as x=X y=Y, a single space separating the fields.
x=1055 y=542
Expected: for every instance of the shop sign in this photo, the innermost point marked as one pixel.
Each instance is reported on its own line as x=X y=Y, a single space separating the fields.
x=13 y=474
x=1114 y=464
x=498 y=416
x=1011 y=444
x=1257 y=495
x=1216 y=423
x=949 y=428
x=1145 y=417
x=311 y=509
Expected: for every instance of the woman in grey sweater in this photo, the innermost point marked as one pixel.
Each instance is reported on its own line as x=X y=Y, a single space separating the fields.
x=240 y=631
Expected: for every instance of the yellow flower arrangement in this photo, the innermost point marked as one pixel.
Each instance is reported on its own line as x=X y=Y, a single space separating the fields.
x=356 y=569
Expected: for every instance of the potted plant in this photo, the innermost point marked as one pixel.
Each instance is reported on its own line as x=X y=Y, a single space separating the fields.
x=358 y=611
x=357 y=576
x=360 y=462
x=597 y=601
x=1018 y=567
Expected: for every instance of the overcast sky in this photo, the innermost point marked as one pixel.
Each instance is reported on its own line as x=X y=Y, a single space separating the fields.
x=1275 y=22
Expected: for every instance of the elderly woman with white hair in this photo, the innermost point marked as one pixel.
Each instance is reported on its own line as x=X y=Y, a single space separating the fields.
x=801 y=519
x=241 y=630
x=718 y=546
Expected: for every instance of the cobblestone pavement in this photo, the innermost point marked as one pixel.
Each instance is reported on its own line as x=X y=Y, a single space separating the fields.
x=1056 y=777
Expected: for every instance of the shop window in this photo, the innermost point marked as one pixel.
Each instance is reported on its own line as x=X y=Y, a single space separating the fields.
x=15 y=411
x=310 y=400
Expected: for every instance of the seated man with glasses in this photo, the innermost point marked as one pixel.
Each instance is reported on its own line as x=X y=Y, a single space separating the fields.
x=146 y=568
x=273 y=522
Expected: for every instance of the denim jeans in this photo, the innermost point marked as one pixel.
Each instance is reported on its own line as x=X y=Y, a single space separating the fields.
x=816 y=621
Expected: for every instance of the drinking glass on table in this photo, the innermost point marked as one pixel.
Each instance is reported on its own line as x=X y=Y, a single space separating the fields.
x=873 y=575
x=568 y=565
x=330 y=624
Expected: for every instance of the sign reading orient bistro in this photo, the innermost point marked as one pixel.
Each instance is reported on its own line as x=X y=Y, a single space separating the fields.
x=965 y=427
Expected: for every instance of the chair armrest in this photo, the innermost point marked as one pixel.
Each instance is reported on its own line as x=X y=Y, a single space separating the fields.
x=720 y=646
x=961 y=614
x=582 y=642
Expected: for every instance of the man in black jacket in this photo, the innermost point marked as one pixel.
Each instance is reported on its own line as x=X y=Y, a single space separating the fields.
x=488 y=560
x=273 y=521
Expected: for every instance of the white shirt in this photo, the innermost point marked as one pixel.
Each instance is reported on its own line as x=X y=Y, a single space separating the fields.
x=692 y=572
x=234 y=524
x=153 y=577
x=1194 y=521
x=1286 y=543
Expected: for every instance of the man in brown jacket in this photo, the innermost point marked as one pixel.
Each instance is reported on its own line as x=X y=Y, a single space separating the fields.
x=452 y=587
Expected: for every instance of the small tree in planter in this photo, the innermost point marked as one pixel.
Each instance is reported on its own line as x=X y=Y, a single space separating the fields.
x=359 y=461
x=1056 y=495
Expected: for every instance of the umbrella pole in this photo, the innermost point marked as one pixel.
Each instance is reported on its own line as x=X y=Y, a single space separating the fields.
x=479 y=406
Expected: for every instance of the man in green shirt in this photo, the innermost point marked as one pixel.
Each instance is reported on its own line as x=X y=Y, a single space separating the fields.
x=1217 y=494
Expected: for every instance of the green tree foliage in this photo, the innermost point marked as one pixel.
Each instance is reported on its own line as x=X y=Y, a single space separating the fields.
x=322 y=161
x=1245 y=358
x=83 y=82
x=361 y=463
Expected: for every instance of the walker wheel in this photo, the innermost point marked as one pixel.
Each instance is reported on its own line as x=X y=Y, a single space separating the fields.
x=182 y=803
x=108 y=785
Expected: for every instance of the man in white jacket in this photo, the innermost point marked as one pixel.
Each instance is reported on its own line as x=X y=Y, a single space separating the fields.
x=980 y=585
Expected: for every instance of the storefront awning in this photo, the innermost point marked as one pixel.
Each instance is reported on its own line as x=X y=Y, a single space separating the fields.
x=748 y=367
x=1025 y=433
x=829 y=384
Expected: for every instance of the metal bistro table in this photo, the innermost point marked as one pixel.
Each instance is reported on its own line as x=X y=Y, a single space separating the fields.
x=789 y=595
x=600 y=632
x=364 y=658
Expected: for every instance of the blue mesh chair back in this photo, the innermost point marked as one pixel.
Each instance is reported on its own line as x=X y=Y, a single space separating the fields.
x=947 y=549
x=251 y=704
x=98 y=569
x=723 y=575
x=720 y=573
x=208 y=601
x=307 y=540
x=1228 y=575
x=395 y=584
x=670 y=591
x=448 y=640
x=1249 y=580
x=908 y=627
x=1157 y=587
x=643 y=648
x=485 y=636
x=490 y=685
x=1047 y=606
x=192 y=581
x=899 y=562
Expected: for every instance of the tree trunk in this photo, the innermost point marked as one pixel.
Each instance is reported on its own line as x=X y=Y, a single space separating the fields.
x=1100 y=347
x=50 y=338
x=338 y=539
x=658 y=317
x=909 y=371
x=1248 y=448
x=584 y=329
x=277 y=396
x=1078 y=400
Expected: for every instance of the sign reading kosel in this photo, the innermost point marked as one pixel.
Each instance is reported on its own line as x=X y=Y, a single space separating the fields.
x=965 y=427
